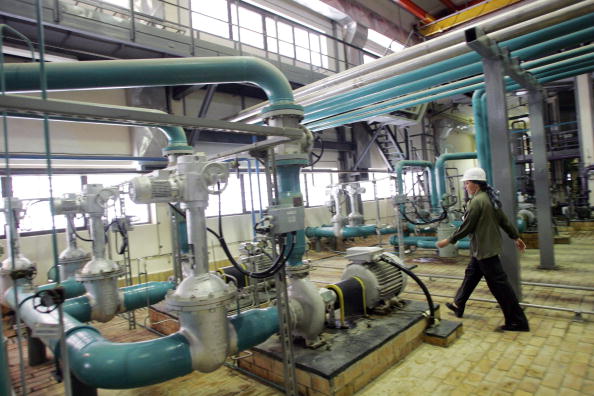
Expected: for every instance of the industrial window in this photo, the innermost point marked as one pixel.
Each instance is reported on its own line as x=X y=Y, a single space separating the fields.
x=34 y=191
x=255 y=191
x=295 y=42
x=315 y=185
x=247 y=26
x=140 y=212
x=231 y=199
x=379 y=45
x=211 y=16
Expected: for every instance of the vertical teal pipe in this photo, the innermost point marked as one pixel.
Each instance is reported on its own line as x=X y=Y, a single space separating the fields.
x=289 y=193
x=254 y=326
x=487 y=137
x=480 y=131
x=440 y=169
x=176 y=138
x=426 y=164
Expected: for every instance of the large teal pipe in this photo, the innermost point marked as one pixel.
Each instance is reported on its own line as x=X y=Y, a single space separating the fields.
x=348 y=231
x=72 y=288
x=447 y=72
x=440 y=168
x=100 y=363
x=254 y=326
x=427 y=242
x=135 y=297
x=289 y=193
x=413 y=99
x=153 y=72
x=462 y=65
x=425 y=164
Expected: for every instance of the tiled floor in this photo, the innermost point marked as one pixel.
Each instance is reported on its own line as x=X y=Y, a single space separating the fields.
x=555 y=358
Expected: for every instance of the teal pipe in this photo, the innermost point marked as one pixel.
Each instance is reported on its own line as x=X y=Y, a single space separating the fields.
x=463 y=244
x=413 y=99
x=72 y=287
x=99 y=363
x=455 y=71
x=289 y=193
x=153 y=72
x=487 y=137
x=546 y=37
x=254 y=326
x=348 y=231
x=176 y=138
x=440 y=169
x=135 y=297
x=426 y=164
x=427 y=242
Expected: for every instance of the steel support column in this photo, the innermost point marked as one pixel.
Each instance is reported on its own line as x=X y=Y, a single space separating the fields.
x=503 y=179
x=541 y=180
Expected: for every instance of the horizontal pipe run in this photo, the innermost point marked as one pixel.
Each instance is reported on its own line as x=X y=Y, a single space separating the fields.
x=28 y=107
x=433 y=94
x=553 y=285
x=348 y=231
x=152 y=72
x=79 y=157
x=71 y=286
x=439 y=73
x=575 y=311
x=538 y=11
x=135 y=297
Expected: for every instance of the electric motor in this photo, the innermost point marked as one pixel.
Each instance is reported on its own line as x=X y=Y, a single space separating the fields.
x=149 y=189
x=372 y=266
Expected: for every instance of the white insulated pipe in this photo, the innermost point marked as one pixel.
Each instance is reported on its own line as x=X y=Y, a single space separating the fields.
x=513 y=23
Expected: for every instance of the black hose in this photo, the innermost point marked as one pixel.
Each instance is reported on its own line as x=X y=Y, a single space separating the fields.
x=76 y=233
x=441 y=217
x=389 y=260
x=267 y=273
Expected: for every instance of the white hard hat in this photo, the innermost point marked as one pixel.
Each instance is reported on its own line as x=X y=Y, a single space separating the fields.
x=476 y=174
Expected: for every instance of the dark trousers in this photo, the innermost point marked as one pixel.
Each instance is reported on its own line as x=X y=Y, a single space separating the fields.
x=498 y=284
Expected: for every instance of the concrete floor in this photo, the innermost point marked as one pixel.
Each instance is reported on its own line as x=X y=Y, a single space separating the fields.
x=555 y=358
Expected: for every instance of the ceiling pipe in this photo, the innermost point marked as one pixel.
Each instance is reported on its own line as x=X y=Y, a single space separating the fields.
x=451 y=58
x=414 y=9
x=350 y=77
x=451 y=70
x=155 y=72
x=448 y=90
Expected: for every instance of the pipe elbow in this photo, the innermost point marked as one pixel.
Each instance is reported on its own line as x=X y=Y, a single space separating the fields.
x=99 y=363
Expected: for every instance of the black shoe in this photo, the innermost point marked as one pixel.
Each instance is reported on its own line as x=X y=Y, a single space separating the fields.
x=514 y=328
x=456 y=310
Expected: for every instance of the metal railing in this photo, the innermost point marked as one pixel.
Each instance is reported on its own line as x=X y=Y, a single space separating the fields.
x=321 y=53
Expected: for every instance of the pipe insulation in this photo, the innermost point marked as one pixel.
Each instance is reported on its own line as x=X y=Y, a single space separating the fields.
x=540 y=13
x=453 y=69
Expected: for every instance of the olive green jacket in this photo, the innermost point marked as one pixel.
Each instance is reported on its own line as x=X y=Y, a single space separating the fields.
x=482 y=222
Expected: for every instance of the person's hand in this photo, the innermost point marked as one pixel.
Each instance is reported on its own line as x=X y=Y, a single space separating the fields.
x=520 y=245
x=442 y=243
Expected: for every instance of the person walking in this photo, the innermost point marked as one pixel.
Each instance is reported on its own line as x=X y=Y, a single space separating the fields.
x=482 y=221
